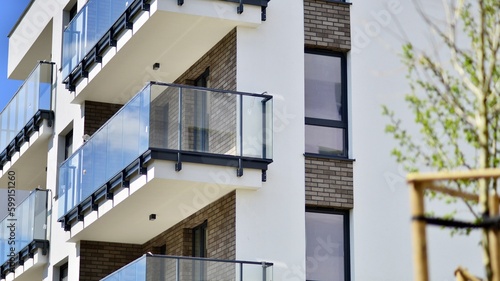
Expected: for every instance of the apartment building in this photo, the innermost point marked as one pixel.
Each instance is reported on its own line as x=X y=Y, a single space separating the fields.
x=173 y=140
x=210 y=140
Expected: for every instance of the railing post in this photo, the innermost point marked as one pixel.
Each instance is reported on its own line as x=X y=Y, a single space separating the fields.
x=264 y=137
x=241 y=271
x=177 y=269
x=239 y=171
x=420 y=267
x=178 y=165
x=264 y=275
x=494 y=238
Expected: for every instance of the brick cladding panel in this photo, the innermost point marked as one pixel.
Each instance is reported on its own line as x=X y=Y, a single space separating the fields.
x=221 y=109
x=96 y=114
x=327 y=25
x=329 y=183
x=99 y=259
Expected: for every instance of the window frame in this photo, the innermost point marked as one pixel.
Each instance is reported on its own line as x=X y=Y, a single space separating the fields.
x=318 y=122
x=346 y=231
x=62 y=268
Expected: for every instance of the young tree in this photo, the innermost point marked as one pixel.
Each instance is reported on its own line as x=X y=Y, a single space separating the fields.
x=456 y=102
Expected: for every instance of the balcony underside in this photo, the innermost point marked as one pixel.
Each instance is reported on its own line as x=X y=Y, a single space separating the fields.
x=174 y=36
x=171 y=195
x=27 y=155
x=32 y=258
x=26 y=48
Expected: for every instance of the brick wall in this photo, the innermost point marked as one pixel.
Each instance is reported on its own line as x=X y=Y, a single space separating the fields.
x=221 y=239
x=98 y=259
x=327 y=25
x=221 y=109
x=329 y=183
x=96 y=114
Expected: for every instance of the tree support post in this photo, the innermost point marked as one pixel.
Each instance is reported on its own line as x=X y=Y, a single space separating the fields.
x=419 y=240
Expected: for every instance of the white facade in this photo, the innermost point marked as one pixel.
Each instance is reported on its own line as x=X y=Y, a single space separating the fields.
x=269 y=215
x=381 y=216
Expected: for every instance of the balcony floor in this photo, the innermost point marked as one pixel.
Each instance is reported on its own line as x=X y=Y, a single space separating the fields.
x=171 y=195
x=29 y=164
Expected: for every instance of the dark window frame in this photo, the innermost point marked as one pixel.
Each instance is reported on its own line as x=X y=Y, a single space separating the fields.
x=347 y=233
x=201 y=135
x=199 y=268
x=62 y=268
x=68 y=144
x=344 y=124
x=203 y=228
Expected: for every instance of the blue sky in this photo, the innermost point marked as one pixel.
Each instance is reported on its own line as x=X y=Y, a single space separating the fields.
x=9 y=13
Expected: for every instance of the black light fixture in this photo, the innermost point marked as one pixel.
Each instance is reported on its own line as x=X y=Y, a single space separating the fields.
x=152 y=217
x=156 y=66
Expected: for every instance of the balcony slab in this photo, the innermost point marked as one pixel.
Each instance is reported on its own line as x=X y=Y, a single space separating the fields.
x=171 y=195
x=30 y=161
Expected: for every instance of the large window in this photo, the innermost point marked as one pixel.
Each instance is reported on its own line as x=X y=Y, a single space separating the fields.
x=327 y=245
x=325 y=103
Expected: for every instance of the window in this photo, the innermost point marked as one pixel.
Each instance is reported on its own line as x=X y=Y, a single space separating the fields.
x=68 y=144
x=200 y=250
x=325 y=103
x=63 y=272
x=201 y=114
x=200 y=240
x=73 y=11
x=327 y=245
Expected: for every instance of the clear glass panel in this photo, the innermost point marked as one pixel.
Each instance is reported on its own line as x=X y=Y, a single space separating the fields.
x=257 y=116
x=45 y=87
x=168 y=268
x=323 y=85
x=165 y=117
x=114 y=141
x=87 y=28
x=324 y=246
x=113 y=147
x=23 y=225
x=325 y=140
x=134 y=271
x=35 y=91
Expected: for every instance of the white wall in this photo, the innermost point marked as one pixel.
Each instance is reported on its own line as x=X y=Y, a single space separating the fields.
x=381 y=215
x=270 y=221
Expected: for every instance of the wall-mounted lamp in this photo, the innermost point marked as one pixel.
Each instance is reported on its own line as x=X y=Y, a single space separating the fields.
x=156 y=66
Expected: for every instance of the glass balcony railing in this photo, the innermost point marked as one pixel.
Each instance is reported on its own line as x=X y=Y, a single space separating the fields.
x=174 y=119
x=87 y=28
x=32 y=97
x=24 y=227
x=169 y=268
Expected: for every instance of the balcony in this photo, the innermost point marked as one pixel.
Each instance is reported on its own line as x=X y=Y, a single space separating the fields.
x=23 y=237
x=167 y=144
x=25 y=128
x=119 y=36
x=173 y=268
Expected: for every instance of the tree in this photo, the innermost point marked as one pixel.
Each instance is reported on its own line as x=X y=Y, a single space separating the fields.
x=455 y=102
